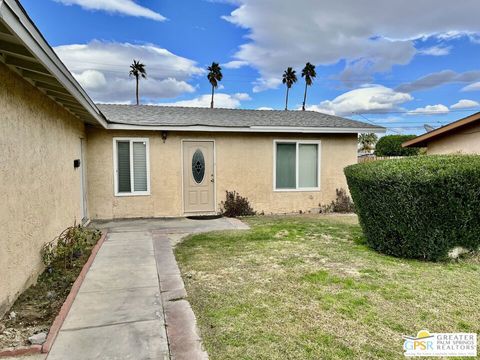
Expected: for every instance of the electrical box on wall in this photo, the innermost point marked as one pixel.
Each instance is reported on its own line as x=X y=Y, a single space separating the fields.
x=76 y=163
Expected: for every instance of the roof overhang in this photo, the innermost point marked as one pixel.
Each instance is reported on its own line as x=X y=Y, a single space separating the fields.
x=422 y=140
x=250 y=129
x=24 y=49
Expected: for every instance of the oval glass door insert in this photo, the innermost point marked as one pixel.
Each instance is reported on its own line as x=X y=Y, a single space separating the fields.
x=198 y=166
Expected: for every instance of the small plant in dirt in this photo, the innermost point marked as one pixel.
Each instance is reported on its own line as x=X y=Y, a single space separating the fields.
x=342 y=204
x=36 y=308
x=68 y=246
x=236 y=205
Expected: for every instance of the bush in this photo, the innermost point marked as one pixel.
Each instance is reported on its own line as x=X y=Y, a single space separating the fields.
x=342 y=204
x=419 y=207
x=68 y=246
x=391 y=145
x=236 y=205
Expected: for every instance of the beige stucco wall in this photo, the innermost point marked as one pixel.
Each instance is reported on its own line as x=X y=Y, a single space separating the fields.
x=39 y=188
x=464 y=141
x=244 y=162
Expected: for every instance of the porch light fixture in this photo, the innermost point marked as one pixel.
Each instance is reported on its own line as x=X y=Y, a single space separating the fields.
x=164 y=136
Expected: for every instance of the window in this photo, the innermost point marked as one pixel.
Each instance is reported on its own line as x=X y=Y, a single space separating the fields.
x=131 y=166
x=297 y=165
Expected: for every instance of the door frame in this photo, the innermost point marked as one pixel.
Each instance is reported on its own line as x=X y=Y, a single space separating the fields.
x=83 y=182
x=214 y=173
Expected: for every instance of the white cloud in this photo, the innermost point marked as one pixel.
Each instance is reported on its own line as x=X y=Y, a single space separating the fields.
x=436 y=50
x=465 y=104
x=91 y=79
x=264 y=108
x=125 y=7
x=430 y=110
x=221 y=100
x=370 y=37
x=103 y=67
x=472 y=87
x=242 y=96
x=372 y=98
x=235 y=64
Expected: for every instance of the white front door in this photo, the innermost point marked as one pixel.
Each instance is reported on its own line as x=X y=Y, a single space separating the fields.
x=198 y=177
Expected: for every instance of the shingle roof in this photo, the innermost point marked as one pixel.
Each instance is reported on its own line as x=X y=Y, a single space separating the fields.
x=149 y=115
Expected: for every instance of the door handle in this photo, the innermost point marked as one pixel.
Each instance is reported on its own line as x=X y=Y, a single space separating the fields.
x=212 y=179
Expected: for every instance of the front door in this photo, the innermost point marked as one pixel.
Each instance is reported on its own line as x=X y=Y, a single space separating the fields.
x=198 y=177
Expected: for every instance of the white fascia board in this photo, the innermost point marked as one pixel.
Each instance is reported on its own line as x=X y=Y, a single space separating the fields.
x=253 y=129
x=22 y=27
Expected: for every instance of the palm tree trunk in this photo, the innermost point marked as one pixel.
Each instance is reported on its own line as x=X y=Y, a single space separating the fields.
x=286 y=99
x=136 y=91
x=304 y=97
x=213 y=91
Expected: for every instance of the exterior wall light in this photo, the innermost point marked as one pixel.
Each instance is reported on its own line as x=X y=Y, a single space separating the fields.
x=164 y=136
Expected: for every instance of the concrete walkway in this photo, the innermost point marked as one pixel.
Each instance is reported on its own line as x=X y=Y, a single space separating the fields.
x=132 y=303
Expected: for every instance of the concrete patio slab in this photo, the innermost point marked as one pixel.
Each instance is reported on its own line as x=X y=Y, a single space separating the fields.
x=132 y=303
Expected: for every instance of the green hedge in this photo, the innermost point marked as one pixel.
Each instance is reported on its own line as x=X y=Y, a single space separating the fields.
x=418 y=207
x=391 y=145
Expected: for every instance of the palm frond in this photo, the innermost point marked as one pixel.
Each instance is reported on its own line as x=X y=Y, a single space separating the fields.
x=289 y=77
x=309 y=73
x=214 y=74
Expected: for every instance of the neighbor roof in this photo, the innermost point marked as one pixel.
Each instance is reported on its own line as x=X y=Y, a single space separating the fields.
x=422 y=140
x=205 y=119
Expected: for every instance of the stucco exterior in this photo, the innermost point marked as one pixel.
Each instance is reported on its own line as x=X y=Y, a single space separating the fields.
x=464 y=140
x=244 y=162
x=39 y=187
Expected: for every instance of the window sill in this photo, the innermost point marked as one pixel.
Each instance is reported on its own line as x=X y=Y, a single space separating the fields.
x=142 y=193
x=298 y=190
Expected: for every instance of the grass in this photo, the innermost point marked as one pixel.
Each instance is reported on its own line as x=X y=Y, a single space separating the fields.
x=306 y=287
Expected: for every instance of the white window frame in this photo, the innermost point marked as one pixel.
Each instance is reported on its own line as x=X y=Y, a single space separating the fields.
x=132 y=181
x=298 y=143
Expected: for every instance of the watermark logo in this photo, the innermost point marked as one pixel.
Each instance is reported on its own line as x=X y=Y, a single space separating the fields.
x=440 y=344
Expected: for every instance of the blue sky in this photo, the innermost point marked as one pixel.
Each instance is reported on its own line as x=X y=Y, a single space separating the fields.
x=377 y=61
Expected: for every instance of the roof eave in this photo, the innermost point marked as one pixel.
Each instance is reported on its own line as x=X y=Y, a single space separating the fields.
x=250 y=129
x=69 y=93
x=422 y=140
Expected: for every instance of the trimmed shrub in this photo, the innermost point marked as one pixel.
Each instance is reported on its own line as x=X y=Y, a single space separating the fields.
x=236 y=205
x=419 y=207
x=391 y=145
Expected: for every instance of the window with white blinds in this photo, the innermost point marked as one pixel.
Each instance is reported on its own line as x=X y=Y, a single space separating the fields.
x=132 y=168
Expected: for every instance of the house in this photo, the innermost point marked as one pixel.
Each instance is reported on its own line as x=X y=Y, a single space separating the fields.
x=66 y=159
x=461 y=136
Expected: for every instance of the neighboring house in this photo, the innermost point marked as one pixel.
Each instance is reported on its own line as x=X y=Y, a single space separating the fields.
x=65 y=159
x=461 y=136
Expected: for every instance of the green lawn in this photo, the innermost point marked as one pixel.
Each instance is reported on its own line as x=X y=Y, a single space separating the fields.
x=305 y=287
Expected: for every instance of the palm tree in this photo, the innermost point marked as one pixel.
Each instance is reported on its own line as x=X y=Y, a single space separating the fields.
x=137 y=69
x=214 y=76
x=289 y=78
x=309 y=74
x=367 y=141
